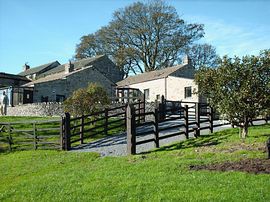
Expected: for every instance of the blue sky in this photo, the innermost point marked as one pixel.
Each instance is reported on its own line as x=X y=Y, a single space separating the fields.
x=42 y=31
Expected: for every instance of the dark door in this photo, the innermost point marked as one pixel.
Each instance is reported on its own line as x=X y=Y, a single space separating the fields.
x=27 y=96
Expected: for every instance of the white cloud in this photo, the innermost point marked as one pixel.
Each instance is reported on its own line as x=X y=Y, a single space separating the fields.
x=234 y=39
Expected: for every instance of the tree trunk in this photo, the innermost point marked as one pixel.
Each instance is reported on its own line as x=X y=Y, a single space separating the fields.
x=244 y=130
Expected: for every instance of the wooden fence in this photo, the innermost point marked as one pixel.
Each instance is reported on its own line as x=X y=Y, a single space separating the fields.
x=70 y=131
x=45 y=134
x=83 y=129
x=192 y=117
x=191 y=122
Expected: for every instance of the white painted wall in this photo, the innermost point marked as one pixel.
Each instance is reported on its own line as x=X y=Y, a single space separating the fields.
x=176 y=89
x=156 y=87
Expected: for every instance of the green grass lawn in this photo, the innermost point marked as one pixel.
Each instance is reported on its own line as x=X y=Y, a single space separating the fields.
x=160 y=175
x=25 y=140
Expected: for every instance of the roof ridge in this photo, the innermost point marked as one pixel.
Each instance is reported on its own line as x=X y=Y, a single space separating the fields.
x=152 y=75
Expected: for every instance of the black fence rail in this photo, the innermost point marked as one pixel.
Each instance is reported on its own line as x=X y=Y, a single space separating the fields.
x=28 y=135
x=110 y=121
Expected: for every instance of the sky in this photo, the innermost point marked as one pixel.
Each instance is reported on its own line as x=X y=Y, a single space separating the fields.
x=39 y=32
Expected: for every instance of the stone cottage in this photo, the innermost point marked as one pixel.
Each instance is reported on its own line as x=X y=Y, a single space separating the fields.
x=175 y=83
x=60 y=82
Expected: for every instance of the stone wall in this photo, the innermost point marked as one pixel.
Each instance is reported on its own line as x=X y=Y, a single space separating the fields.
x=108 y=68
x=37 y=109
x=65 y=87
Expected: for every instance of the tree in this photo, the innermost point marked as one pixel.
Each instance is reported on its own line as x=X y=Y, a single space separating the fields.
x=203 y=55
x=239 y=88
x=86 y=100
x=142 y=37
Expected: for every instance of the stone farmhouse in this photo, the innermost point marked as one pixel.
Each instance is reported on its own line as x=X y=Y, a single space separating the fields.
x=55 y=82
x=60 y=82
x=175 y=83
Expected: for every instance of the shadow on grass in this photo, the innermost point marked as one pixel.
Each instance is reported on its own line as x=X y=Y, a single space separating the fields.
x=202 y=141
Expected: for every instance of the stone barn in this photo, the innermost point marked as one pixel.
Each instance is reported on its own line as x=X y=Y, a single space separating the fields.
x=60 y=82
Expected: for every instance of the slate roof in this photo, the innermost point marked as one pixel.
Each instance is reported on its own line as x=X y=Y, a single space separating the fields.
x=36 y=69
x=58 y=76
x=13 y=76
x=53 y=77
x=59 y=71
x=77 y=64
x=148 y=76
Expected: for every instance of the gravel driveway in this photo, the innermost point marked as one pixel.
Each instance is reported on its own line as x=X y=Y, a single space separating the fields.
x=117 y=145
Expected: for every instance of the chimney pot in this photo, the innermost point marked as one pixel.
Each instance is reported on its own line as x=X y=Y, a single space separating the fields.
x=187 y=60
x=26 y=67
x=69 y=67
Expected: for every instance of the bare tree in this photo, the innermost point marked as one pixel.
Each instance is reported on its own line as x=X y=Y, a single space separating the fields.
x=203 y=55
x=142 y=37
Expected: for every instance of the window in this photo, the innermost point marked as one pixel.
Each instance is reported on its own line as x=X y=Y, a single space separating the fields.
x=188 y=92
x=146 y=93
x=44 y=99
x=60 y=98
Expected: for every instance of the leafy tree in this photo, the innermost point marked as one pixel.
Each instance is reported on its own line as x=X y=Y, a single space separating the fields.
x=142 y=37
x=203 y=55
x=239 y=88
x=86 y=100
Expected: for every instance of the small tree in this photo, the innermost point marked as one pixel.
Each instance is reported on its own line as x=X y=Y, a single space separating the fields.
x=239 y=88
x=86 y=100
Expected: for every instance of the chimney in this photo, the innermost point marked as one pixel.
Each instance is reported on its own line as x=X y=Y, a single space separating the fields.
x=186 y=60
x=69 y=67
x=26 y=67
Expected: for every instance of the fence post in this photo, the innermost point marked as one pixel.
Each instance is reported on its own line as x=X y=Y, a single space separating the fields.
x=186 y=121
x=131 y=130
x=197 y=118
x=9 y=137
x=67 y=131
x=106 y=113
x=162 y=108
x=139 y=113
x=173 y=107
x=35 y=135
x=210 y=118
x=125 y=115
x=82 y=129
x=144 y=108
x=62 y=133
x=156 y=128
x=268 y=148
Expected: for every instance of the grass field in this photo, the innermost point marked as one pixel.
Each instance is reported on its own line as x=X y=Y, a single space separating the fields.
x=25 y=140
x=160 y=175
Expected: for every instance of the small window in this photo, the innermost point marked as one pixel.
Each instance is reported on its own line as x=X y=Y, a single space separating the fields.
x=188 y=92
x=146 y=93
x=60 y=98
x=44 y=99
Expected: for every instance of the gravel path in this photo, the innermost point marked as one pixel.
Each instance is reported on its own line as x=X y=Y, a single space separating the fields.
x=117 y=145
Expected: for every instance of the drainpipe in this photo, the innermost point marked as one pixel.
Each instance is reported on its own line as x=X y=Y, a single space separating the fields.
x=166 y=88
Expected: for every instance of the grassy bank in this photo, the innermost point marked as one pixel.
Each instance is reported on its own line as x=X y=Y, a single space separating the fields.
x=161 y=175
